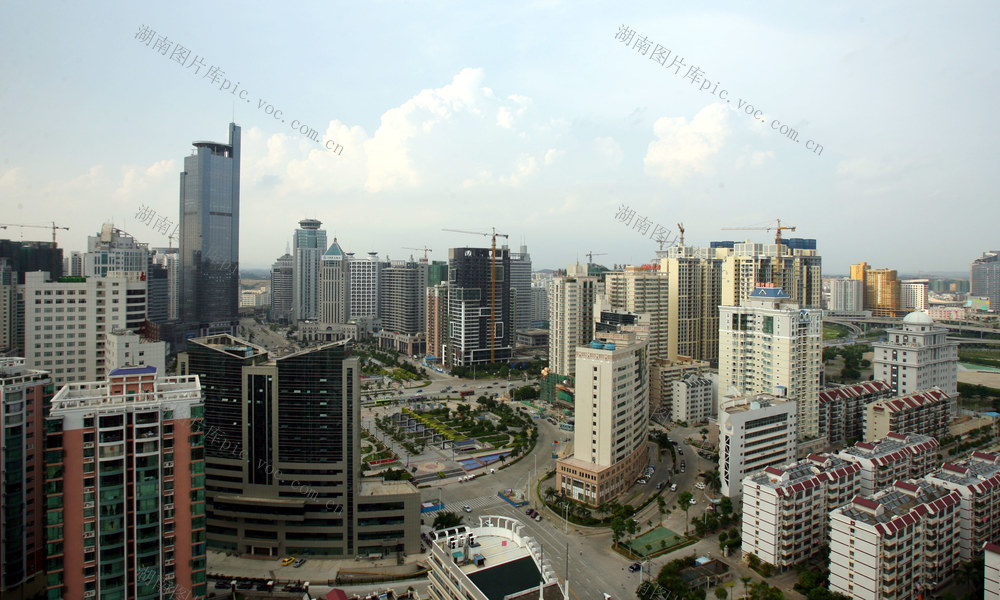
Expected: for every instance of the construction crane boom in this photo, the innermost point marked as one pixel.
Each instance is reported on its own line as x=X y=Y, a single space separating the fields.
x=590 y=256
x=680 y=228
x=425 y=249
x=493 y=282
x=53 y=227
x=778 y=229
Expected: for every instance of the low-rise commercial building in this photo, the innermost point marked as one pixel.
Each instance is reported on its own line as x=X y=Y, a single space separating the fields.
x=786 y=509
x=895 y=544
x=495 y=560
x=927 y=412
x=893 y=457
x=754 y=432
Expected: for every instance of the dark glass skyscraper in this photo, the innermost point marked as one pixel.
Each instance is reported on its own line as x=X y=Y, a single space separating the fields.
x=210 y=237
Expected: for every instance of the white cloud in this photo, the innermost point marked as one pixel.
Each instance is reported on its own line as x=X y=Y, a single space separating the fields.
x=552 y=155
x=687 y=147
x=609 y=150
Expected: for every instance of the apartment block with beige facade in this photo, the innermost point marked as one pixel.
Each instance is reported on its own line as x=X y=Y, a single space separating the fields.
x=917 y=356
x=571 y=316
x=896 y=543
x=612 y=419
x=927 y=413
x=842 y=410
x=977 y=480
x=786 y=509
x=663 y=372
x=893 y=457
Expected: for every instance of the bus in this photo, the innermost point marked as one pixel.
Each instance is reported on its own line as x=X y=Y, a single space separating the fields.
x=465 y=393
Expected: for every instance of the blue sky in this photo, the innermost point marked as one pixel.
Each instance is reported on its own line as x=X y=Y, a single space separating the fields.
x=527 y=116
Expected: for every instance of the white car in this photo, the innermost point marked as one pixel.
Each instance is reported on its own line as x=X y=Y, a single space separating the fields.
x=693 y=501
x=700 y=485
x=467 y=508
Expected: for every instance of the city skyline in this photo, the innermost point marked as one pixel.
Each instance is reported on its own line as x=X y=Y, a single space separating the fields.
x=537 y=106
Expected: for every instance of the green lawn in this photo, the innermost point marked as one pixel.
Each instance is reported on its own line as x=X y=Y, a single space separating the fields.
x=832 y=331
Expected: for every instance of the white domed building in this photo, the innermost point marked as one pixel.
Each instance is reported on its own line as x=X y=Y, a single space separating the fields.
x=917 y=357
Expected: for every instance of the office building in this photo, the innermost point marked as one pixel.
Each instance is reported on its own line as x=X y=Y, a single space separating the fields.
x=663 y=372
x=847 y=295
x=927 y=412
x=991 y=579
x=281 y=288
x=125 y=487
x=73 y=264
x=913 y=294
x=917 y=356
x=977 y=480
x=282 y=454
x=571 y=316
x=611 y=417
x=308 y=245
x=842 y=410
x=893 y=457
x=520 y=288
x=754 y=432
x=985 y=273
x=881 y=290
x=364 y=279
x=210 y=237
x=495 y=560
x=539 y=305
x=124 y=348
x=334 y=301
x=692 y=399
x=67 y=321
x=113 y=250
x=479 y=307
x=786 y=509
x=770 y=344
x=403 y=306
x=24 y=400
x=899 y=543
x=169 y=260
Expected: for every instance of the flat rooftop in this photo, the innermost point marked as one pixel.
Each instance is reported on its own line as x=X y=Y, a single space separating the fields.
x=377 y=487
x=506 y=578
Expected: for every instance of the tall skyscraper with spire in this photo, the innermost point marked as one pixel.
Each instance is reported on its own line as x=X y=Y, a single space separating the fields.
x=210 y=237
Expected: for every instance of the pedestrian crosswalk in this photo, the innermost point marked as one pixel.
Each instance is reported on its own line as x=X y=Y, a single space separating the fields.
x=474 y=503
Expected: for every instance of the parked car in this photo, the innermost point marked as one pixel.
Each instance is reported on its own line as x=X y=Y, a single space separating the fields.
x=659 y=485
x=538 y=517
x=632 y=568
x=299 y=562
x=700 y=485
x=467 y=508
x=223 y=585
x=287 y=561
x=693 y=501
x=245 y=584
x=673 y=487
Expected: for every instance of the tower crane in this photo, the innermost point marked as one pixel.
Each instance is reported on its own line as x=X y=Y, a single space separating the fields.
x=425 y=249
x=53 y=227
x=778 y=229
x=590 y=256
x=493 y=281
x=680 y=228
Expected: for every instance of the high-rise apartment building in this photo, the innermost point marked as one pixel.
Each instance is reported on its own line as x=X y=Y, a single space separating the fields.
x=364 y=279
x=754 y=432
x=927 y=413
x=786 y=509
x=612 y=417
x=794 y=266
x=520 y=289
x=66 y=321
x=169 y=259
x=694 y=294
x=917 y=356
x=901 y=542
x=308 y=245
x=479 y=307
x=281 y=288
x=692 y=399
x=894 y=457
x=210 y=237
x=991 y=578
x=73 y=264
x=913 y=294
x=642 y=290
x=977 y=480
x=125 y=487
x=663 y=372
x=985 y=273
x=24 y=400
x=881 y=289
x=571 y=302
x=842 y=410
x=25 y=257
x=437 y=321
x=282 y=452
x=769 y=344
x=539 y=304
x=11 y=312
x=847 y=295
x=113 y=250
x=403 y=306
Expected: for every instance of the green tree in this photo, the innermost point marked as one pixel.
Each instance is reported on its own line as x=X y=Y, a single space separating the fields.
x=445 y=520
x=661 y=507
x=617 y=528
x=720 y=593
x=684 y=500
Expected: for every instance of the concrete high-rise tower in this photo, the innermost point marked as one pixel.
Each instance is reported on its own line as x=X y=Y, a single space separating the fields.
x=210 y=237
x=281 y=288
x=771 y=346
x=308 y=245
x=469 y=306
x=571 y=316
x=985 y=273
